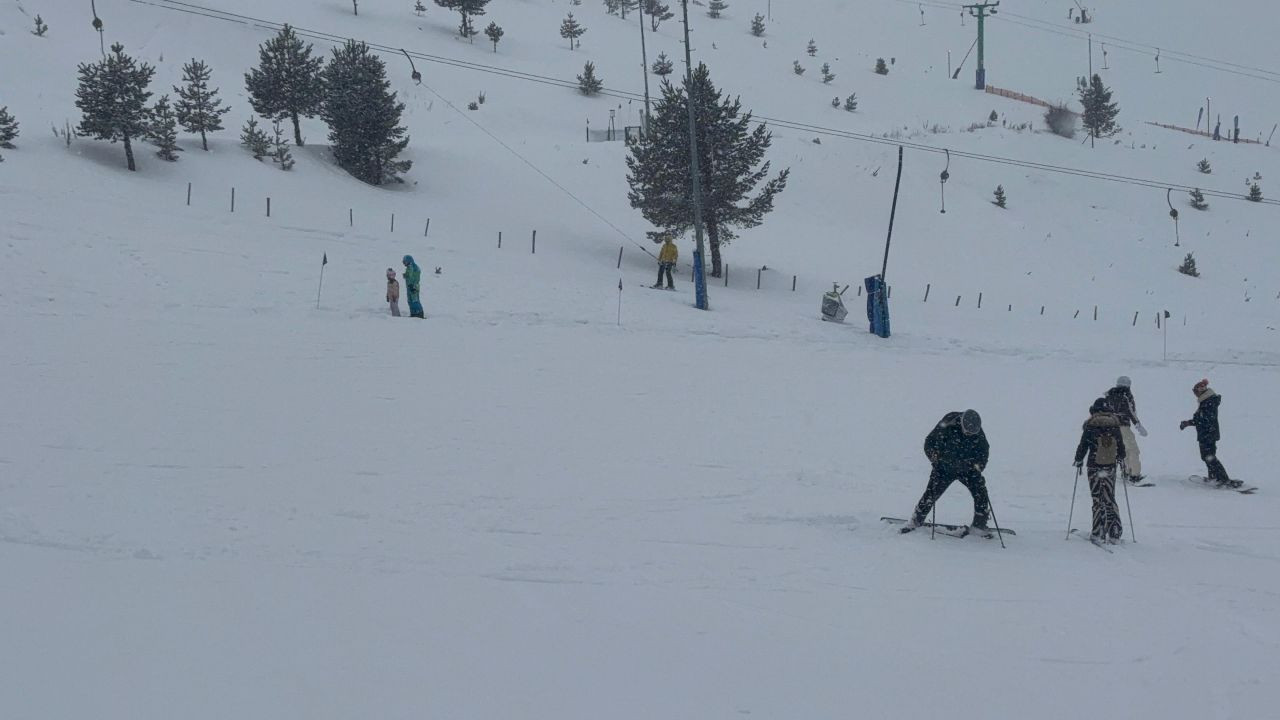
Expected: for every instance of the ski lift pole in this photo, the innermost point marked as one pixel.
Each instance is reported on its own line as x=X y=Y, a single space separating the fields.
x=1173 y=213
x=884 y=268
x=943 y=178
x=97 y=25
x=417 y=76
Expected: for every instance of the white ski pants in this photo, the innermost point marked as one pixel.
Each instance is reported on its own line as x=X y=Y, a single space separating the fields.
x=1132 y=458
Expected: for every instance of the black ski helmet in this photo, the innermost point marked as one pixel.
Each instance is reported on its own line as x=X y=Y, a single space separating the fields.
x=971 y=422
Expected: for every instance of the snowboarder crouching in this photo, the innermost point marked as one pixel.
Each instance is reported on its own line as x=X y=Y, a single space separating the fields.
x=667 y=257
x=1103 y=442
x=413 y=283
x=958 y=449
x=1205 y=421
x=393 y=292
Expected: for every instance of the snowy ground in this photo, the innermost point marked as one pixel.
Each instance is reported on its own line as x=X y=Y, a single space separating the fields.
x=218 y=501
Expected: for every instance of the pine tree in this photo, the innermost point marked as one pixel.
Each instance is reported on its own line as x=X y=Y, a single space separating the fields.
x=662 y=66
x=494 y=33
x=716 y=7
x=254 y=139
x=8 y=129
x=851 y=103
x=1100 y=113
x=163 y=132
x=199 y=109
x=41 y=28
x=881 y=67
x=1255 y=192
x=993 y=117
x=827 y=75
x=467 y=9
x=613 y=7
x=588 y=83
x=112 y=98
x=1000 y=197
x=1198 y=201
x=571 y=31
x=363 y=115
x=757 y=25
x=1204 y=167
x=730 y=155
x=286 y=84
x=1188 y=266
x=658 y=13
x=813 y=48
x=797 y=68
x=419 y=8
x=280 y=153
x=626 y=5
x=835 y=102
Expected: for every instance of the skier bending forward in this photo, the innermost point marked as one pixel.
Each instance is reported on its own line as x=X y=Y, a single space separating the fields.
x=958 y=449
x=1103 y=441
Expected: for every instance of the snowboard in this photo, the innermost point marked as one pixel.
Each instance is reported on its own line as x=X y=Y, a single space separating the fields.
x=1203 y=481
x=946 y=529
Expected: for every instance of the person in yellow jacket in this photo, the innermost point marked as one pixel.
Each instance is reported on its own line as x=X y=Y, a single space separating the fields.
x=667 y=257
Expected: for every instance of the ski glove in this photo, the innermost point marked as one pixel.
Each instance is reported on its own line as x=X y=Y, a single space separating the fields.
x=1078 y=464
x=1141 y=430
x=1183 y=425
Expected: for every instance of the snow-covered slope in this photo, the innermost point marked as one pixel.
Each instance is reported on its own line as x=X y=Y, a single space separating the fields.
x=217 y=500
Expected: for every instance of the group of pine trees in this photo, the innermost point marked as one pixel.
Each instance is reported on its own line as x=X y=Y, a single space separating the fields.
x=350 y=93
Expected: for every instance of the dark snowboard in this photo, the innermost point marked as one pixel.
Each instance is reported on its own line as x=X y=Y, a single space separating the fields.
x=1203 y=481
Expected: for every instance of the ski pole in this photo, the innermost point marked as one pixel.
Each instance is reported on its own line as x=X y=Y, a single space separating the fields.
x=933 y=528
x=1129 y=508
x=991 y=506
x=1071 y=515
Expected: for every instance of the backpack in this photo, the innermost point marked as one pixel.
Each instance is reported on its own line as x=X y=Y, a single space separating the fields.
x=1105 y=453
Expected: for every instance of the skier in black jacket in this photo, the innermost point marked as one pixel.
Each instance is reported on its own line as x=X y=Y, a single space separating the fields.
x=1207 y=433
x=957 y=447
x=1104 y=444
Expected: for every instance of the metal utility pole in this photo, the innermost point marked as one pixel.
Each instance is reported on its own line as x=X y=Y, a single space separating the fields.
x=699 y=269
x=644 y=64
x=982 y=11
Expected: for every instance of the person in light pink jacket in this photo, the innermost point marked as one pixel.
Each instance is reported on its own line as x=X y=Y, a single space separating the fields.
x=393 y=292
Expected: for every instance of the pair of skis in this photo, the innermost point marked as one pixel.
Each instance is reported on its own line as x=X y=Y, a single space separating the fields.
x=957 y=531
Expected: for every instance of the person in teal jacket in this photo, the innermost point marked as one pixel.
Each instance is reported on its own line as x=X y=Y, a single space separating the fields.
x=413 y=284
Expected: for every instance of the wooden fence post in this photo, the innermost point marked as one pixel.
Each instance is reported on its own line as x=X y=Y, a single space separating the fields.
x=427 y=230
x=233 y=199
x=1135 y=318
x=1041 y=309
x=534 y=246
x=188 y=194
x=393 y=222
x=793 y=283
x=758 y=272
x=957 y=301
x=1073 y=317
x=351 y=217
x=620 y=256
x=926 y=291
x=1095 y=313
x=979 y=301
x=499 y=239
x=268 y=207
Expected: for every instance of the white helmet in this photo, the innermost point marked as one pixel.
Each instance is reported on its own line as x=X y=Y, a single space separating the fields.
x=1124 y=381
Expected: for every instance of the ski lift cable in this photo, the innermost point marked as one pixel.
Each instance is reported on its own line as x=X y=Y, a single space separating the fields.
x=190 y=8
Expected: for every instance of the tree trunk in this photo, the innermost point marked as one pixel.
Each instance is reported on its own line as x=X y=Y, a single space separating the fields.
x=128 y=153
x=297 y=132
x=204 y=141
x=713 y=239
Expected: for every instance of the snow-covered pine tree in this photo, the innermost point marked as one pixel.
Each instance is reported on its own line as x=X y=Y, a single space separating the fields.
x=467 y=9
x=851 y=103
x=363 y=115
x=8 y=128
x=199 y=109
x=41 y=28
x=881 y=67
x=112 y=98
x=286 y=84
x=1197 y=200
x=658 y=13
x=731 y=155
x=835 y=102
x=1204 y=167
x=1188 y=266
x=588 y=83
x=797 y=68
x=993 y=117
x=163 y=132
x=613 y=7
x=280 y=153
x=254 y=139
x=757 y=25
x=494 y=33
x=1000 y=197
x=813 y=48
x=571 y=30
x=1099 y=116
x=419 y=8
x=1255 y=192
x=827 y=75
x=716 y=7
x=662 y=66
